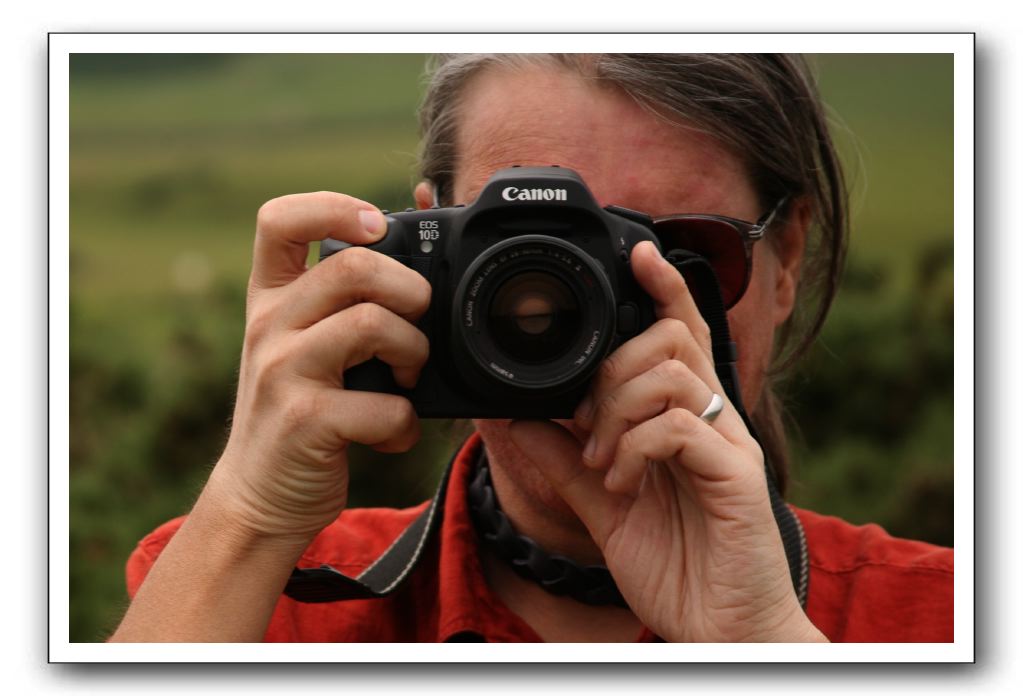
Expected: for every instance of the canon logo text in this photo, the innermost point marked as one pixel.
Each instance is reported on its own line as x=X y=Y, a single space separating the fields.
x=516 y=194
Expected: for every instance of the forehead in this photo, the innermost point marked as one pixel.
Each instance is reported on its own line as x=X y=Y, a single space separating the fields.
x=627 y=155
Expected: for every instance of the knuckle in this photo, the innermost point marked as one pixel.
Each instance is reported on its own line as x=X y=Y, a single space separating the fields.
x=755 y=453
x=422 y=350
x=701 y=332
x=677 y=330
x=414 y=286
x=678 y=420
x=270 y=215
x=269 y=371
x=403 y=415
x=423 y=293
x=626 y=443
x=356 y=264
x=342 y=208
x=258 y=325
x=358 y=257
x=275 y=360
x=678 y=377
x=401 y=429
x=687 y=335
x=415 y=290
x=610 y=369
x=607 y=409
x=367 y=320
x=298 y=412
x=674 y=371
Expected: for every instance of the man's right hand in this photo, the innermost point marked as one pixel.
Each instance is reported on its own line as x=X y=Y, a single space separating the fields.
x=284 y=472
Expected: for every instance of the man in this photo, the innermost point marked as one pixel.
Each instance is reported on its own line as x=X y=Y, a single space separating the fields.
x=673 y=502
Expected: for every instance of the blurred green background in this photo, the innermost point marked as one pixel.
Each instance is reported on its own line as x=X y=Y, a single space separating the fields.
x=172 y=155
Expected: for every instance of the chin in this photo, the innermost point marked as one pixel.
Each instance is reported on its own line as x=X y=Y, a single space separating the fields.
x=498 y=427
x=578 y=433
x=509 y=462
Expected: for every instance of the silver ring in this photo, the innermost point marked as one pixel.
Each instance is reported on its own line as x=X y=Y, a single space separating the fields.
x=714 y=409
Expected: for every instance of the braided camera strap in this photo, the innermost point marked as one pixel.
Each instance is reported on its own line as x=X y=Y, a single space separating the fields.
x=557 y=574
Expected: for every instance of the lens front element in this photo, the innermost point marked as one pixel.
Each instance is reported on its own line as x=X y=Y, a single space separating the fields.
x=534 y=317
x=536 y=313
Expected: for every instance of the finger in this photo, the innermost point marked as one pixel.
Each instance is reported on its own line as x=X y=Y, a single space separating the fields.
x=668 y=339
x=286 y=225
x=666 y=287
x=679 y=438
x=556 y=454
x=669 y=385
x=355 y=335
x=350 y=277
x=385 y=422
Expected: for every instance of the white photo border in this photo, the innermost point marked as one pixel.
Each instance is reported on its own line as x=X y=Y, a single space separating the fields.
x=61 y=45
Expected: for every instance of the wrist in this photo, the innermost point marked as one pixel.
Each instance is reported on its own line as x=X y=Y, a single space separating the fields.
x=243 y=527
x=796 y=629
x=217 y=580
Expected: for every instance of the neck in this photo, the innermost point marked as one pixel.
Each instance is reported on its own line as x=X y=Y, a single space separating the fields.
x=558 y=619
x=537 y=512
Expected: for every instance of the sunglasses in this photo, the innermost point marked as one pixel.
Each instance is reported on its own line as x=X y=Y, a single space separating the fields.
x=725 y=242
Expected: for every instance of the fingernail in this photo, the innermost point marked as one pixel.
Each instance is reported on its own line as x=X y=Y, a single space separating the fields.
x=591 y=447
x=373 y=222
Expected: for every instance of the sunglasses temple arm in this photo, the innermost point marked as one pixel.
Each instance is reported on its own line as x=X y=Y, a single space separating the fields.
x=765 y=222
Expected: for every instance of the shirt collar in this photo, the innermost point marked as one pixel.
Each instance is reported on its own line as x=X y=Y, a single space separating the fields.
x=467 y=605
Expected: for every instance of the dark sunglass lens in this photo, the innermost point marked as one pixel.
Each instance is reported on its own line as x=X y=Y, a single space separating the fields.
x=717 y=241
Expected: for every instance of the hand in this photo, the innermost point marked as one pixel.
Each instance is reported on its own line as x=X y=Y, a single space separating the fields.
x=678 y=507
x=284 y=472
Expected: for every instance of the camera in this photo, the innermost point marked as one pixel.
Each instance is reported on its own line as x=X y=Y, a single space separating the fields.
x=531 y=290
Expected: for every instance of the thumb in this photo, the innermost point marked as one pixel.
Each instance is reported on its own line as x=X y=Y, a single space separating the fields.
x=558 y=456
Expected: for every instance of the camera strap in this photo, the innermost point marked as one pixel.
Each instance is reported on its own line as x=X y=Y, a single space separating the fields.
x=386 y=573
x=703 y=284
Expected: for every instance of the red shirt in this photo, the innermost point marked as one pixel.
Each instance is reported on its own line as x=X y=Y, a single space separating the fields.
x=865 y=586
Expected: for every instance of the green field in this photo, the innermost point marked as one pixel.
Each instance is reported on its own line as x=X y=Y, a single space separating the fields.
x=171 y=157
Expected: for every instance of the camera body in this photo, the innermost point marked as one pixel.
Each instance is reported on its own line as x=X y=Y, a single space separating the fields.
x=531 y=290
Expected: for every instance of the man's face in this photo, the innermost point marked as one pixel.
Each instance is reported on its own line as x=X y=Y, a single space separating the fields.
x=628 y=157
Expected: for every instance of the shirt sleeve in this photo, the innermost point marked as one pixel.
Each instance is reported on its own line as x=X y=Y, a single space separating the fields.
x=867 y=586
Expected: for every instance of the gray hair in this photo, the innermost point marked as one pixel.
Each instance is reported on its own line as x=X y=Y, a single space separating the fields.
x=763 y=107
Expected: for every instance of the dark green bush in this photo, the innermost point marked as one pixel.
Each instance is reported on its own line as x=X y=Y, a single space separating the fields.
x=872 y=404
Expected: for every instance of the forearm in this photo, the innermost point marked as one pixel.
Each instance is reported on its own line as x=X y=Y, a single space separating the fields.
x=214 y=582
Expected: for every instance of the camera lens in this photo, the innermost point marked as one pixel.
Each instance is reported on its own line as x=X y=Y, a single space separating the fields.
x=534 y=317
x=534 y=313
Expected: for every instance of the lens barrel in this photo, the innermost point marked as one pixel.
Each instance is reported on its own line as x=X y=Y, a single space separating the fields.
x=534 y=314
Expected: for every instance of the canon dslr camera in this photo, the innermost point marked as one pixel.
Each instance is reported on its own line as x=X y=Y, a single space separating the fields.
x=531 y=291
